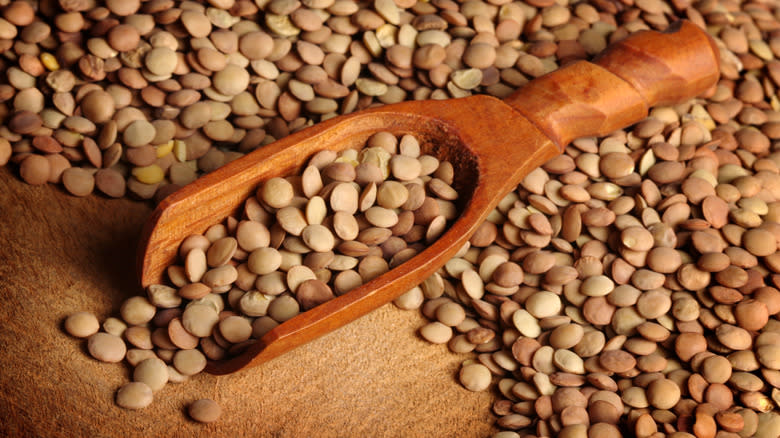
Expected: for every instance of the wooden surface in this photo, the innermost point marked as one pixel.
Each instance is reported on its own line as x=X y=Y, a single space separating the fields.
x=60 y=254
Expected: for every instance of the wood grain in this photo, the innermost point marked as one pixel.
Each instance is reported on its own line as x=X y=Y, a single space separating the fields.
x=62 y=254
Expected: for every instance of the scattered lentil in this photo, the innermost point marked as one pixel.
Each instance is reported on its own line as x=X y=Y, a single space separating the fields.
x=134 y=395
x=82 y=324
x=204 y=410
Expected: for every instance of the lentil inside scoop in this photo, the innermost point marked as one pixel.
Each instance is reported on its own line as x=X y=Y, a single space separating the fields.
x=300 y=235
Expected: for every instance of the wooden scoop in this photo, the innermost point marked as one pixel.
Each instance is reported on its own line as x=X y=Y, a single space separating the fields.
x=491 y=144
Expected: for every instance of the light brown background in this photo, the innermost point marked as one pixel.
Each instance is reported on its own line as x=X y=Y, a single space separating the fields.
x=60 y=254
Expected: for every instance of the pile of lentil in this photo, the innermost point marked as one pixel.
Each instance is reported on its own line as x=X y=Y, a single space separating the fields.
x=628 y=287
x=603 y=307
x=140 y=98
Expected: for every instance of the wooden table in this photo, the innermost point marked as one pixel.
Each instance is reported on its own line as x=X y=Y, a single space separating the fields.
x=60 y=254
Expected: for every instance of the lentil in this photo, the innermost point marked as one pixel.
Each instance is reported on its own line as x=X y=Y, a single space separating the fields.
x=82 y=324
x=134 y=395
x=204 y=410
x=106 y=347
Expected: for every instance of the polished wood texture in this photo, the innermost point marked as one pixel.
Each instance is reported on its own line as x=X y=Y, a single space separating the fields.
x=493 y=144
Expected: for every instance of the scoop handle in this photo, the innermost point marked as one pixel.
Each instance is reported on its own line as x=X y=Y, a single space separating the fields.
x=646 y=68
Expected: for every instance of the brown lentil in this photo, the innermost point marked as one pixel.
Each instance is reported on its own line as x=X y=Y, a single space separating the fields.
x=134 y=395
x=204 y=411
x=82 y=324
